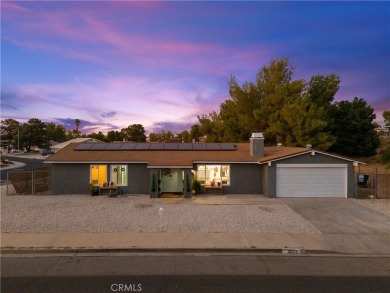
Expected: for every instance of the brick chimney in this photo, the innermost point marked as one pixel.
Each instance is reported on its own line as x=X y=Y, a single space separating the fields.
x=257 y=145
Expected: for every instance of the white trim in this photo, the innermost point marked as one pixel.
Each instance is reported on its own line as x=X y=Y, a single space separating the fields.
x=338 y=157
x=311 y=165
x=309 y=151
x=127 y=173
x=220 y=164
x=171 y=167
x=278 y=159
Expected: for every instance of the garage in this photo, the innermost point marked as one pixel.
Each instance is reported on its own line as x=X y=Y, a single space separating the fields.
x=311 y=180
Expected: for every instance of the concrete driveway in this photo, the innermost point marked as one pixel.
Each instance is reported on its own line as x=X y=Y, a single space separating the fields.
x=340 y=216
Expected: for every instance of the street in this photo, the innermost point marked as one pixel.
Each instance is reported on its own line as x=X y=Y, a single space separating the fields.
x=30 y=164
x=201 y=272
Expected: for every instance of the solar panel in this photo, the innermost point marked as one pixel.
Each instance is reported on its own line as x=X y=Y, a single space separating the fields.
x=228 y=147
x=113 y=146
x=142 y=146
x=185 y=146
x=83 y=146
x=171 y=146
x=199 y=147
x=99 y=146
x=213 y=147
x=156 y=146
x=128 y=146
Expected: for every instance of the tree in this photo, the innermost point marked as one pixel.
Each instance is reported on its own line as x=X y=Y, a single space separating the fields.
x=98 y=136
x=354 y=128
x=155 y=137
x=185 y=136
x=114 y=135
x=235 y=131
x=322 y=89
x=135 y=132
x=212 y=126
x=33 y=133
x=55 y=133
x=9 y=130
x=195 y=133
x=163 y=136
x=386 y=116
x=302 y=122
x=76 y=132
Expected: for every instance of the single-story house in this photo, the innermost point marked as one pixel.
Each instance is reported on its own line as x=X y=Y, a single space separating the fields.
x=240 y=168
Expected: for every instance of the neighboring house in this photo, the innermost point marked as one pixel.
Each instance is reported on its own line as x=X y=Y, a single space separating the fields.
x=382 y=130
x=242 y=168
x=55 y=148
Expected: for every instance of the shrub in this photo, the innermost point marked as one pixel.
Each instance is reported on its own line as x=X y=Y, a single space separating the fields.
x=196 y=186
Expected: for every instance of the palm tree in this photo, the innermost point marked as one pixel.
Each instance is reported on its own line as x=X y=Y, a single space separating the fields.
x=77 y=123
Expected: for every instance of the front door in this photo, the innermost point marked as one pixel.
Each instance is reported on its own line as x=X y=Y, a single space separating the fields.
x=171 y=180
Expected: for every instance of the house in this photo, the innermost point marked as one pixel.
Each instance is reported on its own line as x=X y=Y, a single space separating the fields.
x=242 y=168
x=382 y=130
x=55 y=148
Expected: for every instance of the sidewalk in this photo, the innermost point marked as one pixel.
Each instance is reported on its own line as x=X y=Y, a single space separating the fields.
x=208 y=242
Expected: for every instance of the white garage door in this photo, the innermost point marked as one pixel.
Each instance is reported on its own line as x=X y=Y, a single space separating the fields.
x=307 y=180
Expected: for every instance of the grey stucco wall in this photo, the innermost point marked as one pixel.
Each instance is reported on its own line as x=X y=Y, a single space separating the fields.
x=138 y=179
x=318 y=158
x=70 y=178
x=244 y=179
x=74 y=178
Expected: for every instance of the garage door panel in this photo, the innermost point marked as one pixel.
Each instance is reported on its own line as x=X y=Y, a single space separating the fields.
x=316 y=181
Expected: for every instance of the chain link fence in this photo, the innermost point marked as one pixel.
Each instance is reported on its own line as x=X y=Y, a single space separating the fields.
x=29 y=182
x=372 y=182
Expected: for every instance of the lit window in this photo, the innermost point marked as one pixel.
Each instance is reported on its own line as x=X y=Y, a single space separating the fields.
x=98 y=174
x=207 y=174
x=119 y=175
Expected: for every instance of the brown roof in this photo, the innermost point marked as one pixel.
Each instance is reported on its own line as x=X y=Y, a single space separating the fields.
x=171 y=158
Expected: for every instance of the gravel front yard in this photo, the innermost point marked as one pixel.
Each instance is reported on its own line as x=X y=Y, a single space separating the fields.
x=380 y=205
x=82 y=213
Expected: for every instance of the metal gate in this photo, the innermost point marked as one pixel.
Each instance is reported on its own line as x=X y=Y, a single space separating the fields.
x=29 y=182
x=372 y=182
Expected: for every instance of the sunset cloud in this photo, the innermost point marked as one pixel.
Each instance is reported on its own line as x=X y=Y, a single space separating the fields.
x=160 y=64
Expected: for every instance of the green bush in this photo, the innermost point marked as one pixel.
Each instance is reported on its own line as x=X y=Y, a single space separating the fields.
x=385 y=155
x=196 y=186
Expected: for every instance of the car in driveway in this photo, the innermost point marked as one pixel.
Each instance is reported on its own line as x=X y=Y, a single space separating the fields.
x=46 y=152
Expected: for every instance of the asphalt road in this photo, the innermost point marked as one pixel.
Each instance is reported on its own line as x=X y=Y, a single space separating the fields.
x=193 y=273
x=30 y=164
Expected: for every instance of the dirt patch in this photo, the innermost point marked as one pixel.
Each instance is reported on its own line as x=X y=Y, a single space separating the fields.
x=266 y=209
x=143 y=205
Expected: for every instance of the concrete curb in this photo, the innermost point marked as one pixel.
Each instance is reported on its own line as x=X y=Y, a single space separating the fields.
x=158 y=250
x=14 y=165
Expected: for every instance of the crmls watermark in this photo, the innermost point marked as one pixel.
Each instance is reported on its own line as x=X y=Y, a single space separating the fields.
x=126 y=287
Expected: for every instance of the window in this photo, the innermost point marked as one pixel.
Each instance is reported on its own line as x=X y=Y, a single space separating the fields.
x=213 y=173
x=98 y=174
x=119 y=175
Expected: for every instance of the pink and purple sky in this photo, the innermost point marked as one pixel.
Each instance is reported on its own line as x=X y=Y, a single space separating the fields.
x=160 y=64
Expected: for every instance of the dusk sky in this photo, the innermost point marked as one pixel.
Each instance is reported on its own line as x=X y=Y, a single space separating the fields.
x=160 y=64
